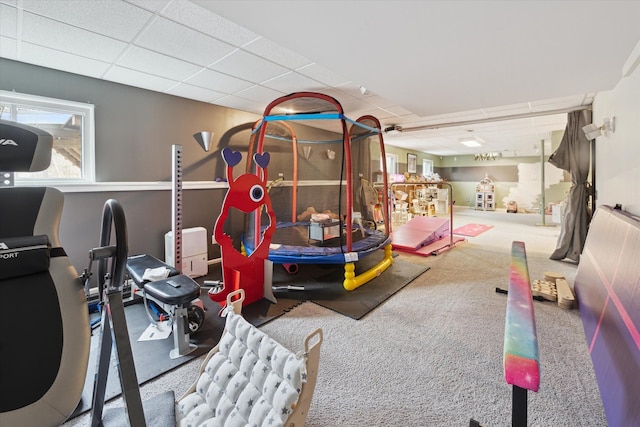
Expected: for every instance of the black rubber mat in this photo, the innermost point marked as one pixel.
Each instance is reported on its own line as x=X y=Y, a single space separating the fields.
x=322 y=285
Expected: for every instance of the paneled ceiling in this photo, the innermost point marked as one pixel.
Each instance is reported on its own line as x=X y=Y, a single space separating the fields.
x=440 y=70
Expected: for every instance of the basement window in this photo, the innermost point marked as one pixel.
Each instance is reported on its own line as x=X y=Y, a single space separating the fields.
x=72 y=126
x=427 y=167
x=391 y=162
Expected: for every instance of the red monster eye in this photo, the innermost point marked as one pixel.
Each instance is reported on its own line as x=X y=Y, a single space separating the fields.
x=256 y=193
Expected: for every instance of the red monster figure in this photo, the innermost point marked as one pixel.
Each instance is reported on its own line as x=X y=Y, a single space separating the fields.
x=247 y=193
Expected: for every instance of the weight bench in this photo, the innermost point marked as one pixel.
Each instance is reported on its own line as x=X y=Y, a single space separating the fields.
x=521 y=359
x=175 y=294
x=250 y=379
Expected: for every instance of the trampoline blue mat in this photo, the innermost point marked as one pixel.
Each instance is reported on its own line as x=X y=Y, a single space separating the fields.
x=290 y=244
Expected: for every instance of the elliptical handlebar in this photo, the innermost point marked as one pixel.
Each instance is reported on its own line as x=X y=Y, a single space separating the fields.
x=112 y=217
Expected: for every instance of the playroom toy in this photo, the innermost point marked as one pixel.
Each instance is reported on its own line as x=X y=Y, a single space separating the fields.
x=247 y=193
x=545 y=289
x=290 y=241
x=521 y=358
x=250 y=379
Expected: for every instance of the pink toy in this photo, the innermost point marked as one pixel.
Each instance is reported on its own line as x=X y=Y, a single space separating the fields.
x=247 y=193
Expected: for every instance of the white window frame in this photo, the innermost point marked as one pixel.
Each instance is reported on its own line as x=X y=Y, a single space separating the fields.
x=427 y=166
x=392 y=163
x=88 y=134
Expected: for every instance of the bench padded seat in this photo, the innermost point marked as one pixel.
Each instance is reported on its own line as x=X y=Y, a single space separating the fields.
x=175 y=290
x=138 y=264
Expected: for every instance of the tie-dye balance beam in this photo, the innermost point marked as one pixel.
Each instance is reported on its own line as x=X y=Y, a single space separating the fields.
x=521 y=359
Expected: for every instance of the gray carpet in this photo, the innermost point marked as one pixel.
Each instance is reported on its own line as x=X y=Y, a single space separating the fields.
x=431 y=355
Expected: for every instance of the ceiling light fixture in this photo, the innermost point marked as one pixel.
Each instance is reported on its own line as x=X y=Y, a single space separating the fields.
x=393 y=130
x=592 y=131
x=487 y=156
x=204 y=139
x=472 y=141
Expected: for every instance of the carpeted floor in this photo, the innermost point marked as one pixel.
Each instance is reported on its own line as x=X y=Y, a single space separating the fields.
x=431 y=355
x=322 y=285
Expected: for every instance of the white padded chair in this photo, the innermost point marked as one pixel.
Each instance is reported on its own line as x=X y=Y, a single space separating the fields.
x=249 y=379
x=44 y=320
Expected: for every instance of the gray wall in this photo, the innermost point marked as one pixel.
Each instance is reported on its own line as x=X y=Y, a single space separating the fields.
x=134 y=132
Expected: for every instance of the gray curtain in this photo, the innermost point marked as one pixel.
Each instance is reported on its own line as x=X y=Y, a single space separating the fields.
x=573 y=155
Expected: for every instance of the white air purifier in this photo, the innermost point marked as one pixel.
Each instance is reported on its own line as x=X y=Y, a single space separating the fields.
x=194 y=251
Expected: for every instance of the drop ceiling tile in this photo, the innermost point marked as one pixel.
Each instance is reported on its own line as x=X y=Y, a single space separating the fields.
x=8 y=21
x=64 y=61
x=397 y=110
x=411 y=120
x=260 y=94
x=157 y=64
x=353 y=90
x=138 y=79
x=207 y=22
x=8 y=48
x=293 y=82
x=214 y=80
x=10 y=2
x=194 y=92
x=172 y=39
x=116 y=19
x=150 y=5
x=276 y=53
x=378 y=101
x=55 y=35
x=247 y=66
x=242 y=104
x=321 y=74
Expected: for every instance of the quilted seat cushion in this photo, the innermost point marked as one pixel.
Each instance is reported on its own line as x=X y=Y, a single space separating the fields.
x=251 y=381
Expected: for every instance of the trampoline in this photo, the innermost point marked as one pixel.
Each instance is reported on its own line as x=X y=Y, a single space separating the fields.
x=316 y=124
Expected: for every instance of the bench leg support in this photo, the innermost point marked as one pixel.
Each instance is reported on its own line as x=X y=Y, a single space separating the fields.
x=181 y=344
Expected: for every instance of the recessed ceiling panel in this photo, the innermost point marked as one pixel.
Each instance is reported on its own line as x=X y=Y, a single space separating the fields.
x=116 y=19
x=249 y=67
x=8 y=21
x=218 y=81
x=194 y=92
x=67 y=38
x=172 y=39
x=276 y=53
x=321 y=74
x=138 y=79
x=71 y=63
x=293 y=82
x=194 y=16
x=145 y=60
x=260 y=94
